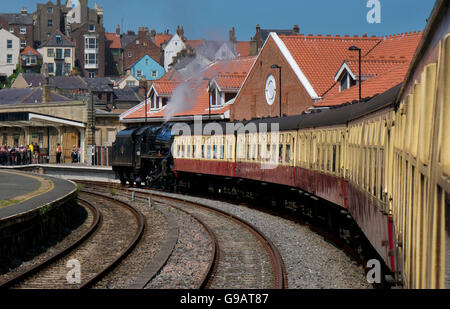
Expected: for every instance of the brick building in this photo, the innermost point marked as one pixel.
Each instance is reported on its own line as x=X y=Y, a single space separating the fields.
x=21 y=25
x=90 y=48
x=319 y=71
x=137 y=46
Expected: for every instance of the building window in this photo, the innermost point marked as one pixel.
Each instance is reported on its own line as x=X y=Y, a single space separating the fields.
x=23 y=43
x=138 y=73
x=91 y=74
x=66 y=53
x=91 y=58
x=58 y=39
x=49 y=10
x=8 y=58
x=11 y=29
x=131 y=83
x=346 y=82
x=130 y=54
x=90 y=43
x=154 y=73
x=31 y=60
x=67 y=68
x=23 y=29
x=91 y=28
x=50 y=52
x=59 y=53
x=9 y=44
x=51 y=67
x=146 y=61
x=50 y=23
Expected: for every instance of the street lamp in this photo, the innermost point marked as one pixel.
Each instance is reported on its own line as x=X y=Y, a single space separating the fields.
x=354 y=48
x=276 y=66
x=145 y=96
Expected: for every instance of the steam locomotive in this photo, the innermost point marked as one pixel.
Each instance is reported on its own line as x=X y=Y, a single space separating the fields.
x=143 y=155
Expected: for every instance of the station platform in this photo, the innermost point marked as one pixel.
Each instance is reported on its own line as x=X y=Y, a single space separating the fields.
x=23 y=193
x=73 y=171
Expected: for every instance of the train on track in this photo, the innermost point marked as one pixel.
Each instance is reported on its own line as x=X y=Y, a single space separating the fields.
x=379 y=168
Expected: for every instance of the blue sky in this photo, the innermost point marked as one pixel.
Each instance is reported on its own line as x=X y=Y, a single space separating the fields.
x=212 y=19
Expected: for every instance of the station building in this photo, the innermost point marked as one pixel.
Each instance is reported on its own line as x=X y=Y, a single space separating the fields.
x=41 y=115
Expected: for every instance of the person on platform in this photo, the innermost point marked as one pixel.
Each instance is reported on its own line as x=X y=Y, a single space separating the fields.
x=58 y=153
x=74 y=154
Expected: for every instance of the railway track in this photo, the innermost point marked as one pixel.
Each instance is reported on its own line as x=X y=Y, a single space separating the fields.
x=241 y=256
x=115 y=229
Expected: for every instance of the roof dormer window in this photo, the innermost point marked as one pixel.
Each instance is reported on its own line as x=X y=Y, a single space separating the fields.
x=215 y=96
x=346 y=81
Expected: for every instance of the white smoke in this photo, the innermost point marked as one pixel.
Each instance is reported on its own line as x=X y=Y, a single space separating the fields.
x=184 y=97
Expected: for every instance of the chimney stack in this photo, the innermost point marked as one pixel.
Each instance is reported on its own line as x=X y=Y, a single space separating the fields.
x=142 y=32
x=232 y=35
x=296 y=29
x=118 y=29
x=180 y=31
x=24 y=11
x=46 y=93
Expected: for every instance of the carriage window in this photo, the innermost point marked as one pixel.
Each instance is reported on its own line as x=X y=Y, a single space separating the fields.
x=182 y=151
x=203 y=151
x=208 y=152
x=334 y=158
x=194 y=151
x=274 y=153
x=188 y=151
x=230 y=152
x=214 y=151
x=222 y=152
x=280 y=154
x=268 y=153
x=288 y=154
x=179 y=151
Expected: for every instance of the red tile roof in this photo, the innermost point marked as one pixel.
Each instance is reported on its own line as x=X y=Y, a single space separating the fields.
x=113 y=39
x=320 y=57
x=373 y=67
x=229 y=82
x=233 y=71
x=28 y=51
x=165 y=88
x=195 y=43
x=369 y=88
x=161 y=39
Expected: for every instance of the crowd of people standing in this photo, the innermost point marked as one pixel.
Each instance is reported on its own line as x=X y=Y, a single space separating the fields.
x=29 y=154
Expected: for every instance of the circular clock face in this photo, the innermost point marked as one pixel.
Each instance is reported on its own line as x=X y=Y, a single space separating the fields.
x=271 y=89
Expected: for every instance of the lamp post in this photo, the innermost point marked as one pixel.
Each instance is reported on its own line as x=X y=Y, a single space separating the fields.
x=145 y=96
x=276 y=66
x=354 y=48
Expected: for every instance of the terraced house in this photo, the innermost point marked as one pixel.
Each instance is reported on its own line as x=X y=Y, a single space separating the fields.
x=58 y=54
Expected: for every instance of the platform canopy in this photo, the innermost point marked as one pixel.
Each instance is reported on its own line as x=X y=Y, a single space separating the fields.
x=28 y=119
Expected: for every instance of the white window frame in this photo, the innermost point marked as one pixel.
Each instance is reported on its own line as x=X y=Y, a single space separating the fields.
x=23 y=43
x=9 y=58
x=155 y=73
x=138 y=73
x=88 y=60
x=9 y=44
x=88 y=43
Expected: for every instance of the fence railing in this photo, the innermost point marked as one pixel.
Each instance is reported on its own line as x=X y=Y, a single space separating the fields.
x=103 y=156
